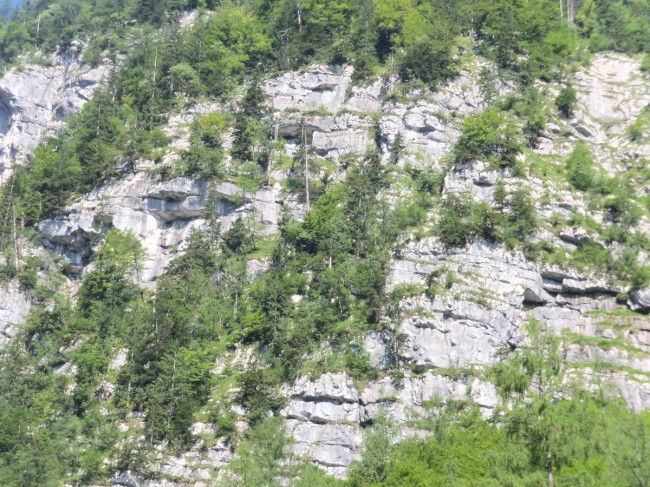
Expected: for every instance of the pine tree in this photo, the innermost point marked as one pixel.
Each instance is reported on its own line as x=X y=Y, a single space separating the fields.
x=545 y=411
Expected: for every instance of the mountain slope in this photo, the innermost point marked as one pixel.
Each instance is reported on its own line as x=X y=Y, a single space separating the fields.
x=235 y=283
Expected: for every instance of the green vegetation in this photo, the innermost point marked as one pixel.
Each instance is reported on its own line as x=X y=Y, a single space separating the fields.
x=263 y=461
x=527 y=103
x=566 y=101
x=491 y=135
x=512 y=221
x=205 y=306
x=61 y=399
x=580 y=170
x=553 y=433
x=638 y=130
x=205 y=155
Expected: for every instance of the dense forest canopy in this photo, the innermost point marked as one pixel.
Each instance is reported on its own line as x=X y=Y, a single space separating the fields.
x=57 y=429
x=363 y=31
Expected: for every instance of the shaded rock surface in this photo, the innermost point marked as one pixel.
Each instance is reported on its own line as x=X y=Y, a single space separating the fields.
x=161 y=214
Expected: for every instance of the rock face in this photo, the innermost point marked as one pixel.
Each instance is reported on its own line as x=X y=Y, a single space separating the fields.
x=35 y=99
x=161 y=214
x=429 y=125
x=612 y=93
x=640 y=300
x=320 y=87
x=325 y=416
x=14 y=307
x=339 y=120
x=494 y=292
x=477 y=310
x=478 y=298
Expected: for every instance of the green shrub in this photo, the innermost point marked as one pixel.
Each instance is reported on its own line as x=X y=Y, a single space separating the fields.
x=591 y=256
x=640 y=277
x=621 y=208
x=636 y=131
x=429 y=61
x=486 y=222
x=580 y=167
x=462 y=219
x=490 y=135
x=28 y=277
x=522 y=217
x=358 y=365
x=455 y=227
x=529 y=107
x=567 y=101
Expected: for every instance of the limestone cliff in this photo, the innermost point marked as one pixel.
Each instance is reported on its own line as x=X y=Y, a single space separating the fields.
x=493 y=292
x=36 y=98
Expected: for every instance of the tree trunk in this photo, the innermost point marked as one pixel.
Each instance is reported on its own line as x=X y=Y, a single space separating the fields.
x=38 y=29
x=270 y=166
x=299 y=9
x=15 y=238
x=549 y=464
x=304 y=145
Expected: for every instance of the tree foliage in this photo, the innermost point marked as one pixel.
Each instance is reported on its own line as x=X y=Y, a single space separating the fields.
x=490 y=135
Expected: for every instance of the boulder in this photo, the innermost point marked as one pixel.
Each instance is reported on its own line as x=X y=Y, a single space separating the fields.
x=640 y=300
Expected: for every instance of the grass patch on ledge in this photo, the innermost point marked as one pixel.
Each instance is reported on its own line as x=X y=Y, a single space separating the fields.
x=265 y=247
x=619 y=312
x=605 y=344
x=546 y=167
x=601 y=366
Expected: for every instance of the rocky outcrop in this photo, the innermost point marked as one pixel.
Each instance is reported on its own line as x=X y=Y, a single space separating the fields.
x=325 y=416
x=35 y=99
x=161 y=214
x=477 y=299
x=640 y=300
x=14 y=307
x=477 y=305
x=482 y=296
x=429 y=124
x=612 y=93
x=322 y=87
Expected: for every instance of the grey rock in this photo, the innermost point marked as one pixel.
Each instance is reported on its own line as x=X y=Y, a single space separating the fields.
x=576 y=236
x=609 y=334
x=330 y=386
x=120 y=359
x=640 y=300
x=34 y=100
x=551 y=285
x=611 y=94
x=255 y=267
x=376 y=344
x=589 y=353
x=322 y=411
x=319 y=87
x=332 y=446
x=536 y=294
x=162 y=215
x=408 y=402
x=14 y=308
x=584 y=286
x=221 y=453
